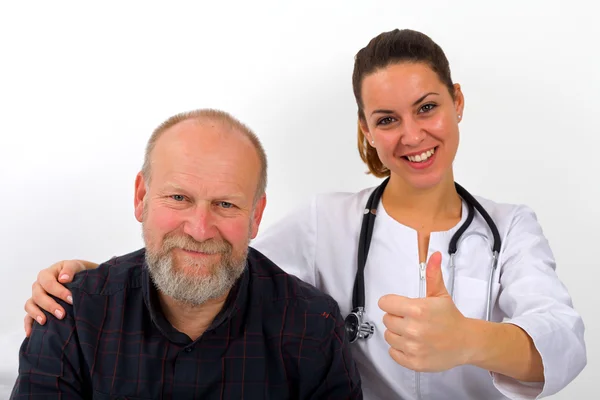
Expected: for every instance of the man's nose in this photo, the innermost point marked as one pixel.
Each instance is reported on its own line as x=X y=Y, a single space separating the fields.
x=201 y=223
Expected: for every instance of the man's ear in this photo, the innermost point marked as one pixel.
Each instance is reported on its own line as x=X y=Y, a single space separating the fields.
x=257 y=215
x=139 y=195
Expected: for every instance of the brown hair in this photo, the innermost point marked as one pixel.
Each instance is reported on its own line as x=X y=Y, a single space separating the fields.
x=388 y=48
x=211 y=115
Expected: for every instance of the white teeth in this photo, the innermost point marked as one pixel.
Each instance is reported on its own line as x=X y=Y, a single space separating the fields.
x=421 y=157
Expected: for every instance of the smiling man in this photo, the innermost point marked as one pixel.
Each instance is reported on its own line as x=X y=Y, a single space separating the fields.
x=197 y=313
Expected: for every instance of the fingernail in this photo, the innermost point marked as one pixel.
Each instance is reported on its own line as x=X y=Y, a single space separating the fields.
x=64 y=276
x=39 y=320
x=70 y=299
x=58 y=314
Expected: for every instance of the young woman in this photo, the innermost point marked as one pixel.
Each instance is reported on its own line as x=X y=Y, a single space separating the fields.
x=448 y=295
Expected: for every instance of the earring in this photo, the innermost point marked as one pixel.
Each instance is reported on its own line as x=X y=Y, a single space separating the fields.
x=459 y=116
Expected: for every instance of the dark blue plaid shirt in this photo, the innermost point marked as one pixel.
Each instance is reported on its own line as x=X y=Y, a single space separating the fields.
x=276 y=338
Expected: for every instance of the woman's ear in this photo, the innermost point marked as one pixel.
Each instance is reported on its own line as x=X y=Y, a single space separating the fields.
x=362 y=125
x=459 y=101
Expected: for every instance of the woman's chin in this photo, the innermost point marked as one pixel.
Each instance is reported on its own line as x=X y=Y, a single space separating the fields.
x=424 y=183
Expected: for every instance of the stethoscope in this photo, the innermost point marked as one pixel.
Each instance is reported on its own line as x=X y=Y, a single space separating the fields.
x=359 y=329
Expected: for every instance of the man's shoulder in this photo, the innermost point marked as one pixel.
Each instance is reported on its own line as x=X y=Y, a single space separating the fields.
x=112 y=276
x=278 y=286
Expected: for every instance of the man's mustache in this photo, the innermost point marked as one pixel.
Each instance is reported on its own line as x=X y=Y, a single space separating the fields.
x=185 y=242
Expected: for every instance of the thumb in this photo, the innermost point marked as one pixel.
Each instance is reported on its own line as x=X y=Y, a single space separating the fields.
x=435 y=279
x=68 y=270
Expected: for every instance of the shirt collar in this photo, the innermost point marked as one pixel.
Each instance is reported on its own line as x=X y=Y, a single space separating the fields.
x=235 y=301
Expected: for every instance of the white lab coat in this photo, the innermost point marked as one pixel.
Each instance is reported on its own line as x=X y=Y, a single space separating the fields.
x=318 y=243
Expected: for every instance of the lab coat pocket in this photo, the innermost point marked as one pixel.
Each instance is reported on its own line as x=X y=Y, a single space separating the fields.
x=471 y=294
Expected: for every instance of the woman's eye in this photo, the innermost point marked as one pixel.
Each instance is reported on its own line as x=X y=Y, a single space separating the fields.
x=385 y=121
x=178 y=197
x=427 y=107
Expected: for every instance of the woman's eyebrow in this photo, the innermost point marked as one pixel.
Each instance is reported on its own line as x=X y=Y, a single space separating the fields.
x=420 y=99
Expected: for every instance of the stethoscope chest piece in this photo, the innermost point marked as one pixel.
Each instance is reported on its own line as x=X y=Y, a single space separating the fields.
x=356 y=327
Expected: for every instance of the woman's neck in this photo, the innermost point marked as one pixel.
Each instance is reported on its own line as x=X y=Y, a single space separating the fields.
x=433 y=209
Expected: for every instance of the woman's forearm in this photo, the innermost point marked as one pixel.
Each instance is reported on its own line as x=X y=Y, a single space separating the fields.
x=504 y=348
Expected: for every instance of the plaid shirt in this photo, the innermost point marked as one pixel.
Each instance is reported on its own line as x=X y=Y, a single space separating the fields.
x=275 y=338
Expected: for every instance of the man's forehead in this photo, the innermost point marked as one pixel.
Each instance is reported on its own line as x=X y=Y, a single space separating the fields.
x=204 y=151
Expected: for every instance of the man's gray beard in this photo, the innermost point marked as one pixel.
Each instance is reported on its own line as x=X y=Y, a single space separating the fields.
x=192 y=289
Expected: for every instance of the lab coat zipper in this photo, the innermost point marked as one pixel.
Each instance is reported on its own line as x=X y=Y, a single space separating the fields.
x=422 y=267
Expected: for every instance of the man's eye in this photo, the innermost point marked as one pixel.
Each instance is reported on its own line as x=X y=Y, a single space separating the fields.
x=225 y=204
x=178 y=197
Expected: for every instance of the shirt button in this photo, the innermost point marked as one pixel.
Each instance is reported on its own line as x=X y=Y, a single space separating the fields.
x=188 y=349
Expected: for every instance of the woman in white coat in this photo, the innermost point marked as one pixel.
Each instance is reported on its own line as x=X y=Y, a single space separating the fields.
x=432 y=336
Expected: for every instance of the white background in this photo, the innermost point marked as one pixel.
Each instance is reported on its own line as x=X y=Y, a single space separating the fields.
x=82 y=87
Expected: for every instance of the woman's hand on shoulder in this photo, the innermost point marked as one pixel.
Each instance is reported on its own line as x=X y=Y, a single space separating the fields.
x=50 y=281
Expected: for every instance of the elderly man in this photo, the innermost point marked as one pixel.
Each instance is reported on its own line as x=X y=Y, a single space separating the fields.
x=197 y=313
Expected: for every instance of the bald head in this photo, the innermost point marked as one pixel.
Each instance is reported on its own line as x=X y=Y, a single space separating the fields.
x=207 y=133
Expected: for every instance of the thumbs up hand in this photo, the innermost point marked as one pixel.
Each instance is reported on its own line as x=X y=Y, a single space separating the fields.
x=426 y=334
